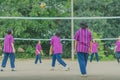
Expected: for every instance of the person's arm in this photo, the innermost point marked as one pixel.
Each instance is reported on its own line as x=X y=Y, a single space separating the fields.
x=91 y=39
x=76 y=39
x=12 y=43
x=41 y=52
x=75 y=44
x=51 y=50
x=115 y=49
x=13 y=47
x=90 y=49
x=38 y=51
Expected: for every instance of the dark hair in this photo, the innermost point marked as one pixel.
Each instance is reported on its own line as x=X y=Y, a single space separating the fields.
x=57 y=33
x=9 y=31
x=83 y=24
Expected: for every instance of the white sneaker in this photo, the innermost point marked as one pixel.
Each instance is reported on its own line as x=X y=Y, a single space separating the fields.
x=83 y=75
x=2 y=69
x=13 y=69
x=52 y=69
x=66 y=68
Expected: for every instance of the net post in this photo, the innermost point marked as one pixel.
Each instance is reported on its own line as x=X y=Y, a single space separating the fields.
x=72 y=30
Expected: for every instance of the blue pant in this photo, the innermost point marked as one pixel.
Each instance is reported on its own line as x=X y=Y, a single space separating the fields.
x=117 y=56
x=38 y=57
x=12 y=59
x=91 y=57
x=59 y=59
x=82 y=60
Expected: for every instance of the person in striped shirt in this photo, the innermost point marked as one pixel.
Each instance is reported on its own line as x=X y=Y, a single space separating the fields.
x=83 y=38
x=117 y=50
x=94 y=51
x=8 y=50
x=56 y=51
x=38 y=52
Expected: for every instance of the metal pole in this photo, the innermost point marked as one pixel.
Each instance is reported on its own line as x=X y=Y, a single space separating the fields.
x=72 y=30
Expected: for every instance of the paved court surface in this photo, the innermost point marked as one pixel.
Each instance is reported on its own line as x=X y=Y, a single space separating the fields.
x=27 y=70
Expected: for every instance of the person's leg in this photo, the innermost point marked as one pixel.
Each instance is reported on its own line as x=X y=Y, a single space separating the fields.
x=39 y=56
x=96 y=55
x=53 y=60
x=86 y=59
x=36 y=60
x=4 y=61
x=118 y=60
x=91 y=57
x=117 y=57
x=81 y=61
x=59 y=59
x=12 y=61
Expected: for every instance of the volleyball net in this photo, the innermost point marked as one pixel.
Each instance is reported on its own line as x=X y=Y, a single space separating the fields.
x=27 y=43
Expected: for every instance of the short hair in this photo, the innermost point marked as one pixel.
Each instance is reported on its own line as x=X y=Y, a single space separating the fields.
x=9 y=31
x=83 y=24
x=57 y=33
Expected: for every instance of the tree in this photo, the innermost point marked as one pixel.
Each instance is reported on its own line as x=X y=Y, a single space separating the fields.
x=38 y=29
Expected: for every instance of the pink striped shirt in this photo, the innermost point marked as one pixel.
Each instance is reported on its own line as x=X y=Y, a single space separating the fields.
x=118 y=46
x=57 y=46
x=94 y=47
x=8 y=40
x=38 y=48
x=83 y=38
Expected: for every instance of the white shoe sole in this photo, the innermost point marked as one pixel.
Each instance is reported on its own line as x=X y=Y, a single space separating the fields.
x=84 y=75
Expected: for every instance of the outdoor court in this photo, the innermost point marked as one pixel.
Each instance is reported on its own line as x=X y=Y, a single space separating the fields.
x=27 y=70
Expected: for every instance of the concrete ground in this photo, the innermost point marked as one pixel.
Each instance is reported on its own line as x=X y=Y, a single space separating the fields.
x=27 y=70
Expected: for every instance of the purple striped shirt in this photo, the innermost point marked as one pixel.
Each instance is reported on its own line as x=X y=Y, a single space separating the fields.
x=38 y=48
x=8 y=40
x=83 y=38
x=57 y=46
x=94 y=47
x=118 y=46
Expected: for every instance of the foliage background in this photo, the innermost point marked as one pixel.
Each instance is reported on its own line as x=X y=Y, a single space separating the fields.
x=44 y=29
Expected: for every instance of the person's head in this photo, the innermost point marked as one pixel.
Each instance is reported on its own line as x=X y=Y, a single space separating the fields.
x=93 y=41
x=119 y=38
x=39 y=42
x=83 y=24
x=9 y=31
x=57 y=33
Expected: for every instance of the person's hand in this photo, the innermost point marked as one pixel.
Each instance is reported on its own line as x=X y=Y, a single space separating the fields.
x=90 y=51
x=13 y=50
x=114 y=51
x=75 y=51
x=50 y=53
x=42 y=53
